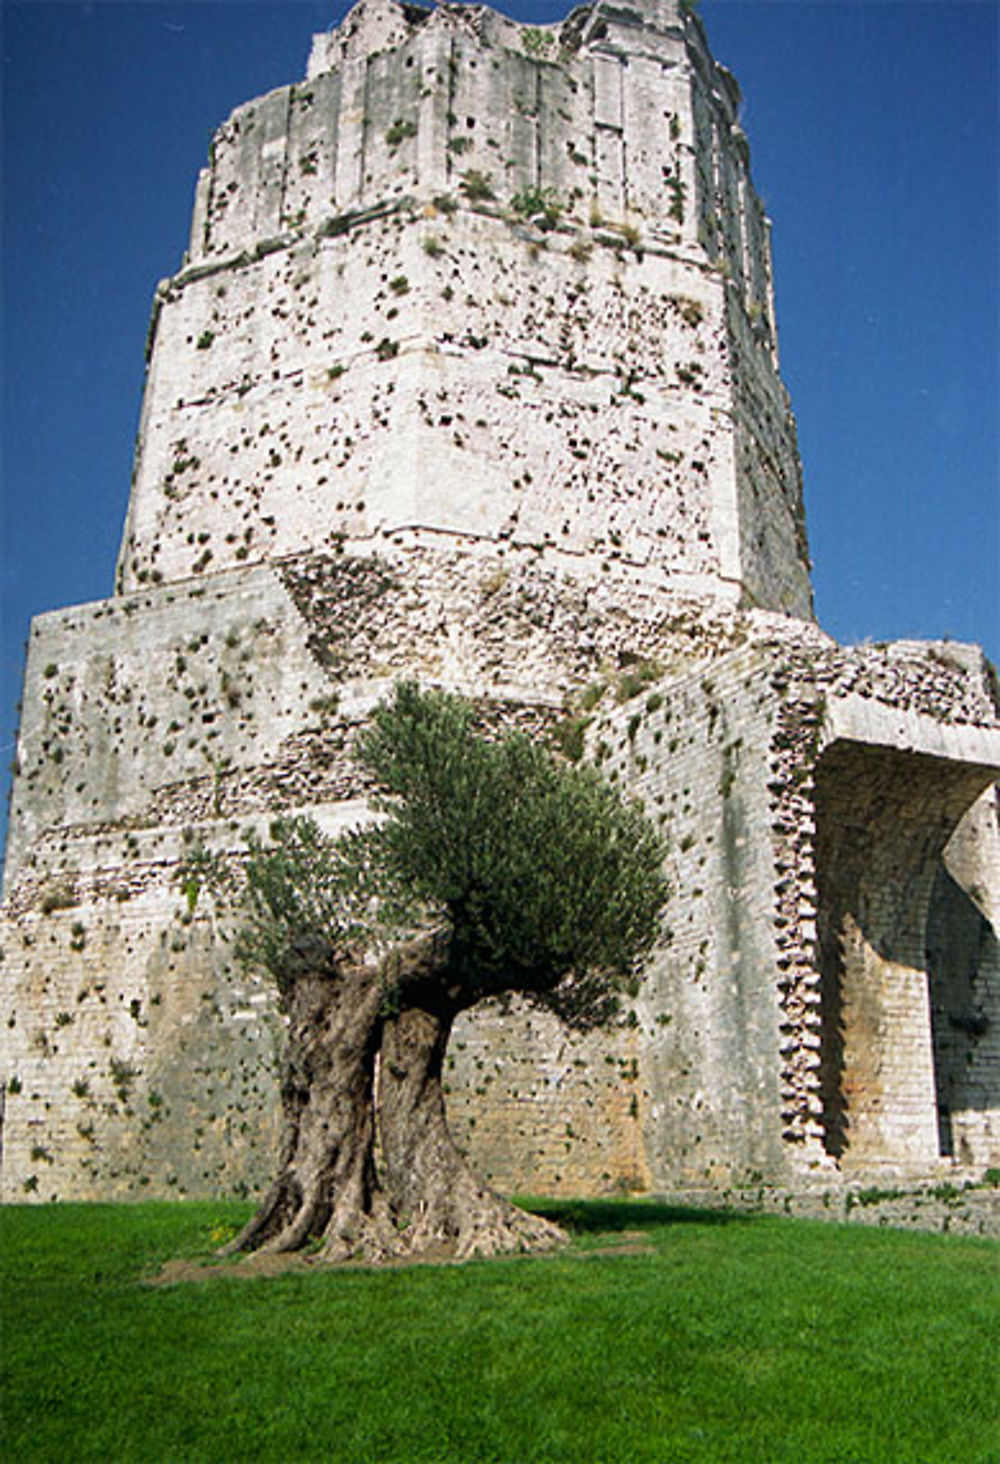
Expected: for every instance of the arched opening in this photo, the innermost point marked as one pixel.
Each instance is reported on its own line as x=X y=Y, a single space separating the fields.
x=963 y=964
x=883 y=820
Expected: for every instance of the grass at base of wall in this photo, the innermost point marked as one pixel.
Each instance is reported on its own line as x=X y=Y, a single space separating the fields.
x=661 y=1335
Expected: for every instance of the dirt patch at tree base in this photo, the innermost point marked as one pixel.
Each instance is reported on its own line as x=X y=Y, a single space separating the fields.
x=268 y=1263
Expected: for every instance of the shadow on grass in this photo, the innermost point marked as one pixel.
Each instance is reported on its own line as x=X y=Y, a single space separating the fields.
x=583 y=1216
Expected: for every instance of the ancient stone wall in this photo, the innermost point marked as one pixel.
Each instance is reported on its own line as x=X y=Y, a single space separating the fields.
x=812 y=799
x=470 y=375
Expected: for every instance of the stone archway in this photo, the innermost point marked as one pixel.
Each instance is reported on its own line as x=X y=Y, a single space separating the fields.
x=963 y=963
x=883 y=818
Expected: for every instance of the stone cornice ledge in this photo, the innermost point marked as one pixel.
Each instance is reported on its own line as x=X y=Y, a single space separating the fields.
x=856 y=718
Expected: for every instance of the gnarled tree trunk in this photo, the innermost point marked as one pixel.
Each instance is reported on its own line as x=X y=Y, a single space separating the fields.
x=437 y=1201
x=326 y=1188
x=368 y=1168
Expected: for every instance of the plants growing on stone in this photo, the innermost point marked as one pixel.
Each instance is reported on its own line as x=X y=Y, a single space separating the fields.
x=537 y=43
x=635 y=677
x=399 y=131
x=539 y=205
x=675 y=186
x=477 y=186
x=494 y=868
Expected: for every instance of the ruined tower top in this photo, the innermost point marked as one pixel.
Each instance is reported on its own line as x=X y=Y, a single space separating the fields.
x=487 y=287
x=379 y=25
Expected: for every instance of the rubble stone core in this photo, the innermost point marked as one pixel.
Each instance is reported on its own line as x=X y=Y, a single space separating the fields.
x=470 y=374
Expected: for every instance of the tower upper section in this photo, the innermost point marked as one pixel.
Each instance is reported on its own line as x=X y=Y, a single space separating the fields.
x=479 y=283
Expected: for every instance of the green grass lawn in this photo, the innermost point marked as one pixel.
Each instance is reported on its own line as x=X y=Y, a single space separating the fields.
x=744 y=1339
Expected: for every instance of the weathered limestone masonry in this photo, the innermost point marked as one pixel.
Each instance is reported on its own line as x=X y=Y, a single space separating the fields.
x=470 y=374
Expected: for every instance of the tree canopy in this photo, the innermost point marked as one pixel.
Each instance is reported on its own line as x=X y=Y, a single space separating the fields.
x=538 y=870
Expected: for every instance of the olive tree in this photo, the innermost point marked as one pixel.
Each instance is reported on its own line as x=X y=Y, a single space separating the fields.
x=492 y=867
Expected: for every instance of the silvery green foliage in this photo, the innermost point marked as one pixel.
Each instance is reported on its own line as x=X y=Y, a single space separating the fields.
x=544 y=872
x=546 y=881
x=311 y=901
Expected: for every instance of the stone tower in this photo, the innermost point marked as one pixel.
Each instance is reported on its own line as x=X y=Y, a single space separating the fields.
x=473 y=284
x=470 y=374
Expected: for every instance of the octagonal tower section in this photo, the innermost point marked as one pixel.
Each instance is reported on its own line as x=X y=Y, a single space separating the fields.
x=474 y=285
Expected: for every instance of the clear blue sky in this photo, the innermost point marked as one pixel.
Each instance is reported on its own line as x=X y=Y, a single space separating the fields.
x=874 y=133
